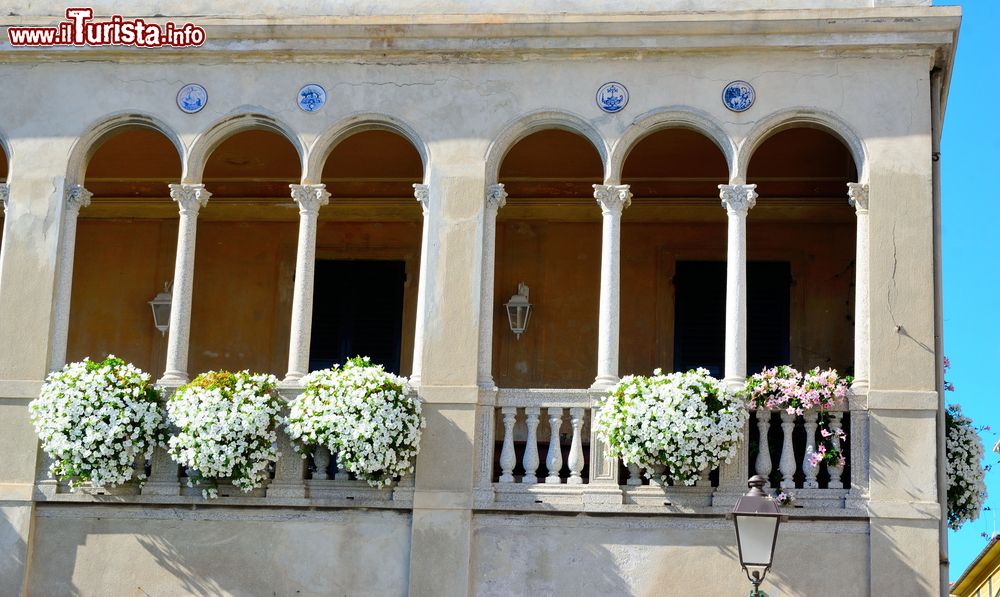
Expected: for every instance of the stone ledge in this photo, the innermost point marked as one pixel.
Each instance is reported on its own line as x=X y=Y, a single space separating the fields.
x=20 y=389
x=902 y=400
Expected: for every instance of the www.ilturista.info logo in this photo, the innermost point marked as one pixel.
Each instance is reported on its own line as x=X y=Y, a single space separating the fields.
x=79 y=29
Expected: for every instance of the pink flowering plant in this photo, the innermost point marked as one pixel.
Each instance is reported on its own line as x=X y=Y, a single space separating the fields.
x=784 y=388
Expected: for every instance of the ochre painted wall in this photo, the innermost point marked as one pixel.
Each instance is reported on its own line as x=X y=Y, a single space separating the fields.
x=560 y=263
x=242 y=292
x=244 y=274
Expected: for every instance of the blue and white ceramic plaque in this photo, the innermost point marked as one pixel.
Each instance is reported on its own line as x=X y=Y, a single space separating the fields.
x=612 y=97
x=311 y=97
x=192 y=98
x=739 y=96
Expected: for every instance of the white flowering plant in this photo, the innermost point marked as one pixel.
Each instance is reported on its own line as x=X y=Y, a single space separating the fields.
x=225 y=429
x=687 y=422
x=364 y=415
x=95 y=419
x=966 y=476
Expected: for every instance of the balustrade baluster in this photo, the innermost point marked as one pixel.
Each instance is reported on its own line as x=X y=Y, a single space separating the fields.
x=321 y=462
x=553 y=460
x=787 y=463
x=576 y=447
x=634 y=475
x=836 y=471
x=507 y=456
x=163 y=478
x=703 y=479
x=656 y=475
x=341 y=474
x=762 y=466
x=531 y=447
x=808 y=468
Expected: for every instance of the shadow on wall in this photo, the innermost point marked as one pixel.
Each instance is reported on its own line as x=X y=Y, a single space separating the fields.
x=13 y=549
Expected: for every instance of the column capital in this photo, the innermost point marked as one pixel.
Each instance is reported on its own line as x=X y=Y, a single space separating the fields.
x=423 y=194
x=189 y=197
x=738 y=199
x=76 y=197
x=310 y=197
x=857 y=194
x=4 y=195
x=613 y=198
x=496 y=196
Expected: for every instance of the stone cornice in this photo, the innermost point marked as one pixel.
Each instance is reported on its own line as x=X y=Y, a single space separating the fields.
x=343 y=37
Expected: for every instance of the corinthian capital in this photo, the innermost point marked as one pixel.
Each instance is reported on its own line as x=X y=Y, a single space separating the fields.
x=858 y=196
x=738 y=199
x=423 y=194
x=4 y=195
x=496 y=196
x=613 y=198
x=310 y=197
x=190 y=197
x=76 y=197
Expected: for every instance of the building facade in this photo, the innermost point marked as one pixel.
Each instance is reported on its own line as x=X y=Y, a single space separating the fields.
x=354 y=179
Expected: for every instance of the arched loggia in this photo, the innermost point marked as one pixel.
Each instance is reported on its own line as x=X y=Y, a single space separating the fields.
x=548 y=236
x=125 y=240
x=368 y=251
x=803 y=232
x=673 y=254
x=245 y=256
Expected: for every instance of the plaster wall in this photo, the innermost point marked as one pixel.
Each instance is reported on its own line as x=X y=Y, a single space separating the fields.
x=230 y=8
x=218 y=551
x=586 y=555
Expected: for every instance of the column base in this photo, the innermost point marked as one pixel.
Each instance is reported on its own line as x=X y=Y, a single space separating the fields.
x=286 y=490
x=735 y=383
x=173 y=378
x=604 y=383
x=292 y=378
x=161 y=488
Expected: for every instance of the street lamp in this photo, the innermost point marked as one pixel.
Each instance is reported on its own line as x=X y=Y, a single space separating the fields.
x=756 y=517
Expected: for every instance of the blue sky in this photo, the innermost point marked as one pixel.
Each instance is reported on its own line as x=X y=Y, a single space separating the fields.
x=970 y=153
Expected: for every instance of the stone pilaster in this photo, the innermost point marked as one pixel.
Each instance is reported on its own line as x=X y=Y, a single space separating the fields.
x=422 y=194
x=77 y=198
x=309 y=198
x=858 y=194
x=496 y=197
x=190 y=199
x=613 y=199
x=4 y=196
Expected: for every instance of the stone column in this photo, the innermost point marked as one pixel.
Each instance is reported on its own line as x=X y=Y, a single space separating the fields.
x=422 y=193
x=310 y=198
x=190 y=198
x=858 y=194
x=77 y=197
x=737 y=200
x=613 y=199
x=496 y=197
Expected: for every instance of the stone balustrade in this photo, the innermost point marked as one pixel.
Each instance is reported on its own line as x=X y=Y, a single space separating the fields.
x=294 y=481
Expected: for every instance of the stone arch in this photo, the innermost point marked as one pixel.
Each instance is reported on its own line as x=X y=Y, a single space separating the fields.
x=324 y=145
x=667 y=118
x=800 y=117
x=533 y=123
x=205 y=143
x=96 y=134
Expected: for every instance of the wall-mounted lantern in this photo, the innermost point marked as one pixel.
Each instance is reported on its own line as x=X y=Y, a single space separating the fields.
x=519 y=310
x=161 y=309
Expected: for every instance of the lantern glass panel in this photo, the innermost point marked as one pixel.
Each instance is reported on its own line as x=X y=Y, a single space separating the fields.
x=756 y=535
